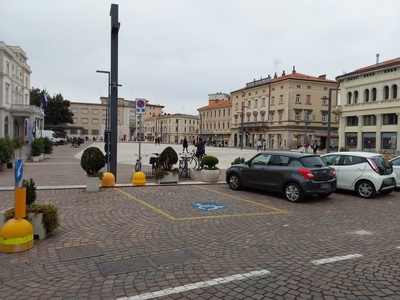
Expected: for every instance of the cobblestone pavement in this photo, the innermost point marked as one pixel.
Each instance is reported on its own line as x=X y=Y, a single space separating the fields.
x=153 y=242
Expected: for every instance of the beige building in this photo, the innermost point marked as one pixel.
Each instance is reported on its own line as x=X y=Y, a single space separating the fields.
x=174 y=128
x=286 y=111
x=370 y=107
x=17 y=116
x=215 y=120
x=92 y=117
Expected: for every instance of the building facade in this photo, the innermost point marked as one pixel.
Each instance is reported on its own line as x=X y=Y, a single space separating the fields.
x=286 y=111
x=93 y=118
x=173 y=128
x=17 y=116
x=215 y=120
x=370 y=107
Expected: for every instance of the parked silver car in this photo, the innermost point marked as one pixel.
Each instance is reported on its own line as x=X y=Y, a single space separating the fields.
x=363 y=172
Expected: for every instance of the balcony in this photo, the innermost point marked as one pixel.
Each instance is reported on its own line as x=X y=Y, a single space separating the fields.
x=23 y=110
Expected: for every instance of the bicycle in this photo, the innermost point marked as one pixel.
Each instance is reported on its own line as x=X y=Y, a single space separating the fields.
x=154 y=162
x=183 y=165
x=193 y=159
x=138 y=165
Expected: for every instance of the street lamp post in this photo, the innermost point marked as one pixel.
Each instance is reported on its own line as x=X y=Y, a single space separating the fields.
x=107 y=141
x=306 y=121
x=177 y=132
x=328 y=136
x=242 y=127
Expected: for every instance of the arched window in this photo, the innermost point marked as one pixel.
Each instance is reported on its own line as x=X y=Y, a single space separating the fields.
x=366 y=95
x=355 y=96
x=394 y=91
x=386 y=92
x=6 y=126
x=349 y=98
x=373 y=96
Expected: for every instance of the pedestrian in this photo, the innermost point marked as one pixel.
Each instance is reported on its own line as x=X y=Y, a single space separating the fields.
x=315 y=147
x=200 y=151
x=264 y=145
x=185 y=145
x=259 y=145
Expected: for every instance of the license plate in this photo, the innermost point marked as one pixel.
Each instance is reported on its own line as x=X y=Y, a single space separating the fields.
x=325 y=186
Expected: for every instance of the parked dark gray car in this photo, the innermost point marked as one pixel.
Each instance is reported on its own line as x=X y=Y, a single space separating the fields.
x=296 y=175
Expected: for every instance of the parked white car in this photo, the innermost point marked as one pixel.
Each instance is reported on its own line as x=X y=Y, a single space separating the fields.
x=395 y=162
x=363 y=172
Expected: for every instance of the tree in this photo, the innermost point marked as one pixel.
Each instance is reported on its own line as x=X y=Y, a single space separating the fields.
x=57 y=110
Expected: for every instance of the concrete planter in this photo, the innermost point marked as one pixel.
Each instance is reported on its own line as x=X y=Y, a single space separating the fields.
x=34 y=219
x=169 y=178
x=92 y=184
x=210 y=175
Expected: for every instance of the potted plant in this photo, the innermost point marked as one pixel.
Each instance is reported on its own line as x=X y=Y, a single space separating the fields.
x=238 y=160
x=18 y=143
x=43 y=217
x=92 y=161
x=165 y=173
x=37 y=148
x=48 y=145
x=210 y=171
x=6 y=151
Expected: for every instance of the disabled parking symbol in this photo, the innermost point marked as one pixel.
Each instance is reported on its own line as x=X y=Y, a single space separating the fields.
x=207 y=206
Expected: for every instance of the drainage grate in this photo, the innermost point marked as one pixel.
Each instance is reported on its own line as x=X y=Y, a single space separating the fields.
x=139 y=263
x=123 y=266
x=171 y=258
x=79 y=252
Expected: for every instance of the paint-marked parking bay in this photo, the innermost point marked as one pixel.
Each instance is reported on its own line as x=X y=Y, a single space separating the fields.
x=196 y=202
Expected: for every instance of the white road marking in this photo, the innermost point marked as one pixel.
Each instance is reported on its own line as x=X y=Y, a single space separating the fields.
x=196 y=285
x=334 y=259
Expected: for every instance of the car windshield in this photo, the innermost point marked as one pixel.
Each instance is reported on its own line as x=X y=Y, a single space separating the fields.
x=312 y=161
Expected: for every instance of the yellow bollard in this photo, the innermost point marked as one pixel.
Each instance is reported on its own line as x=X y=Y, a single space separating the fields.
x=138 y=178
x=108 y=180
x=17 y=234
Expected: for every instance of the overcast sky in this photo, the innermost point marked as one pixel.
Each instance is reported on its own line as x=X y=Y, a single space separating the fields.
x=176 y=52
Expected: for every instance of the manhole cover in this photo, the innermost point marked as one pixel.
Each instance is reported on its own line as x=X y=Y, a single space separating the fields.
x=172 y=258
x=123 y=266
x=79 y=252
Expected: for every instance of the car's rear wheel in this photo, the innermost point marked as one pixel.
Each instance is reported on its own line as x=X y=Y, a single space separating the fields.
x=388 y=191
x=365 y=189
x=293 y=192
x=234 y=182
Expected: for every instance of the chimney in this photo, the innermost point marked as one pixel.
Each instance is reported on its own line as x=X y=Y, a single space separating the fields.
x=377 y=58
x=322 y=76
x=275 y=75
x=283 y=73
x=294 y=70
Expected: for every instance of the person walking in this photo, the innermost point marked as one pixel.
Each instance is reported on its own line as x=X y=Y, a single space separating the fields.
x=185 y=145
x=265 y=145
x=200 y=150
x=315 y=147
x=259 y=145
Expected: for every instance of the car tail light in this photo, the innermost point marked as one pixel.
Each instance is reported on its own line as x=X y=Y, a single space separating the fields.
x=333 y=171
x=307 y=174
x=373 y=165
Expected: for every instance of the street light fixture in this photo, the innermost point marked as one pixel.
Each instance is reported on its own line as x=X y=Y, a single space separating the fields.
x=328 y=136
x=241 y=136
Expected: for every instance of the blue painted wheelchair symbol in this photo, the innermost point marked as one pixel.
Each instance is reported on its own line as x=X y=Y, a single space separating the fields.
x=207 y=206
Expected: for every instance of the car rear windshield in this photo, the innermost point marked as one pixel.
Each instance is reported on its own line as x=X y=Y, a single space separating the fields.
x=312 y=161
x=383 y=165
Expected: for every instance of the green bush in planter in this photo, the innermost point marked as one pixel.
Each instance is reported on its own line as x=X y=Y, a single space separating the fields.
x=48 y=145
x=37 y=147
x=30 y=191
x=6 y=150
x=209 y=162
x=238 y=160
x=343 y=149
x=92 y=161
x=167 y=159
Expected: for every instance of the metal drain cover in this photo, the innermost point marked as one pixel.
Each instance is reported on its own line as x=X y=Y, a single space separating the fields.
x=123 y=266
x=79 y=252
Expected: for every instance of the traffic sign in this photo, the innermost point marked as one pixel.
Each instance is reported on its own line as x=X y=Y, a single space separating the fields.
x=19 y=170
x=140 y=106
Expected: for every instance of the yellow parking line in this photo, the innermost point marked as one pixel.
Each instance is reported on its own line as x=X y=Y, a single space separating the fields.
x=160 y=211
x=243 y=199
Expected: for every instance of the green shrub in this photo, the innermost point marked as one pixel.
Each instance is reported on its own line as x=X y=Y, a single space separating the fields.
x=238 y=160
x=92 y=161
x=209 y=162
x=167 y=159
x=30 y=191
x=37 y=147
x=48 y=145
x=343 y=149
x=6 y=150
